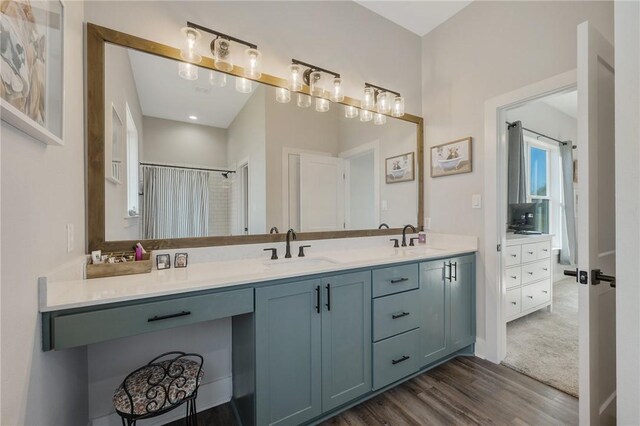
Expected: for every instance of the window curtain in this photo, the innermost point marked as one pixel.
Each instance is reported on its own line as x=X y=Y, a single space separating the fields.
x=517 y=167
x=176 y=203
x=568 y=253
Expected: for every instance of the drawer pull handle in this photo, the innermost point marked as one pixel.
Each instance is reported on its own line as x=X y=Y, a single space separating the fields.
x=399 y=280
x=530 y=297
x=513 y=255
x=545 y=249
x=545 y=291
x=514 y=276
x=164 y=317
x=514 y=303
x=398 y=361
x=545 y=269
x=530 y=252
x=403 y=314
x=530 y=273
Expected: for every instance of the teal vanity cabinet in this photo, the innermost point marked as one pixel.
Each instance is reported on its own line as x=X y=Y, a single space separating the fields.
x=447 y=291
x=313 y=348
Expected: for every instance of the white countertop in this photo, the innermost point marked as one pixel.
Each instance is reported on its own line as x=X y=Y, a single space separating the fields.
x=514 y=239
x=67 y=294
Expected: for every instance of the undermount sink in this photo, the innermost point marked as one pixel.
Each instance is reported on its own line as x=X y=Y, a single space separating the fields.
x=297 y=262
x=423 y=250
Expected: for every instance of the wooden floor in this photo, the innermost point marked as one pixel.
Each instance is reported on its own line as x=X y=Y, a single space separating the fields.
x=464 y=391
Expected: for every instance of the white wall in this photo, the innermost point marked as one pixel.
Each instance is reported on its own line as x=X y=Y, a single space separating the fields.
x=42 y=192
x=119 y=91
x=627 y=64
x=487 y=49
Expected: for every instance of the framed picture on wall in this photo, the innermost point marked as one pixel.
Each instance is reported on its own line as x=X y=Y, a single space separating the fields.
x=400 y=168
x=31 y=67
x=451 y=158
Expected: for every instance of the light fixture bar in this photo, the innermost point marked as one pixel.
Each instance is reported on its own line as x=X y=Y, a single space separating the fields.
x=381 y=89
x=221 y=35
x=315 y=68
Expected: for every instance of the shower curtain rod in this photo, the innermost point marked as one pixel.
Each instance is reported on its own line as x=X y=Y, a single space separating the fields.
x=187 y=168
x=510 y=125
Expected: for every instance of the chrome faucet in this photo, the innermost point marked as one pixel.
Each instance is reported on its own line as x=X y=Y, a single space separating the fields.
x=404 y=234
x=274 y=230
x=291 y=235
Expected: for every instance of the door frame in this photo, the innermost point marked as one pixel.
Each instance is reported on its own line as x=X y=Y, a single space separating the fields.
x=354 y=153
x=494 y=346
x=241 y=165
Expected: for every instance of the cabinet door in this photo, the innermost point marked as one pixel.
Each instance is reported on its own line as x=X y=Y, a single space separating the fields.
x=462 y=303
x=288 y=365
x=435 y=311
x=346 y=338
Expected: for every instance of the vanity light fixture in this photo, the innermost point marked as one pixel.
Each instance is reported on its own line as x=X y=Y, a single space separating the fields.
x=366 y=115
x=187 y=71
x=283 y=95
x=188 y=51
x=379 y=119
x=337 y=94
x=322 y=104
x=217 y=79
x=295 y=77
x=315 y=77
x=243 y=85
x=303 y=101
x=388 y=101
x=350 y=111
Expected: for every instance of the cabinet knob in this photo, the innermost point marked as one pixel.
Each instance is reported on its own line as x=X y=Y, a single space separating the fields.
x=513 y=255
x=545 y=249
x=545 y=291
x=530 y=252
x=513 y=303
x=530 y=273
x=530 y=297
x=514 y=276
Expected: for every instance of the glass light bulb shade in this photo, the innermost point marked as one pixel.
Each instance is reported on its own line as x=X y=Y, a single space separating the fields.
x=322 y=104
x=316 y=83
x=188 y=51
x=222 y=54
x=243 y=85
x=253 y=63
x=368 y=99
x=283 y=95
x=187 y=71
x=366 y=115
x=384 y=102
x=379 y=119
x=303 y=101
x=398 y=107
x=295 y=77
x=217 y=79
x=337 y=94
x=350 y=111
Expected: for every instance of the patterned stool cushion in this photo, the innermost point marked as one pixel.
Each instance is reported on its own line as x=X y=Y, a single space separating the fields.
x=158 y=386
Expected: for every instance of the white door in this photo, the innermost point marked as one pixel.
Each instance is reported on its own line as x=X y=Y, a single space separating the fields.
x=596 y=227
x=321 y=193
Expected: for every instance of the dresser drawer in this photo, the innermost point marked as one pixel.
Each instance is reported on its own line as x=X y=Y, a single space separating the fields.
x=529 y=252
x=514 y=276
x=512 y=256
x=395 y=358
x=106 y=324
x=543 y=249
x=536 y=294
x=394 y=279
x=536 y=271
x=513 y=304
x=395 y=314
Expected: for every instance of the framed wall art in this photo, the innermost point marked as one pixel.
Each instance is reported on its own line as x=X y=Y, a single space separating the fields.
x=400 y=168
x=451 y=158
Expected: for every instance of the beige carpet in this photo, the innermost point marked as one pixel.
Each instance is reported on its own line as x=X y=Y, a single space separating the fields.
x=544 y=345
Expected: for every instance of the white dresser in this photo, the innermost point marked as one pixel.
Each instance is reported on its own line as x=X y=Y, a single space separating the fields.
x=527 y=274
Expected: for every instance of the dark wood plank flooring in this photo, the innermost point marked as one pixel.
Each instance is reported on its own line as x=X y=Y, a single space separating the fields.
x=464 y=391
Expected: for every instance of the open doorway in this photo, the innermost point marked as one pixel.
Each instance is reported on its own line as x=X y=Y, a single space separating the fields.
x=541 y=304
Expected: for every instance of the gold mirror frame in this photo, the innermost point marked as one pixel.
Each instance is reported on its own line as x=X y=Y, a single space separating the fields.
x=97 y=37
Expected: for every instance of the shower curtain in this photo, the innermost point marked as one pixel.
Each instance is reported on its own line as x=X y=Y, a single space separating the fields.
x=568 y=253
x=176 y=203
x=517 y=169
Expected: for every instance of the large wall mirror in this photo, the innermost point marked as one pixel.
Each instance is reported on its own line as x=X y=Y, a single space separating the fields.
x=179 y=162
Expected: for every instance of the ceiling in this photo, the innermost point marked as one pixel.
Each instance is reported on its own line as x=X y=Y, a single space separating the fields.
x=171 y=97
x=418 y=16
x=566 y=103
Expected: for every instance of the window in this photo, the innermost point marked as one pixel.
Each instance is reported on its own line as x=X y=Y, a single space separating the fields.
x=132 y=167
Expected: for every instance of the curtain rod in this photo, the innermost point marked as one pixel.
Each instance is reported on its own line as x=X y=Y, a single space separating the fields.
x=510 y=125
x=188 y=168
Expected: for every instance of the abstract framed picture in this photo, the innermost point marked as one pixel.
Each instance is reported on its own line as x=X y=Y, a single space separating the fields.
x=400 y=168
x=31 y=67
x=451 y=158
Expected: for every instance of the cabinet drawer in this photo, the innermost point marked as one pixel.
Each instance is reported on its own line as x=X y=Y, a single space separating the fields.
x=543 y=249
x=106 y=324
x=512 y=256
x=513 y=305
x=395 y=358
x=536 y=271
x=529 y=252
x=394 y=279
x=514 y=276
x=395 y=314
x=536 y=294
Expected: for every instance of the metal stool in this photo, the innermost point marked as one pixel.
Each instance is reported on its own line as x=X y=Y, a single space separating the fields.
x=159 y=387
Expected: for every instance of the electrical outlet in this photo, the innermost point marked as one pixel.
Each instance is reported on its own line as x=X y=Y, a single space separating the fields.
x=70 y=237
x=427 y=223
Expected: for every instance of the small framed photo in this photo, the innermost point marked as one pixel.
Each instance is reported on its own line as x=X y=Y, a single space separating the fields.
x=451 y=158
x=400 y=168
x=180 y=260
x=163 y=261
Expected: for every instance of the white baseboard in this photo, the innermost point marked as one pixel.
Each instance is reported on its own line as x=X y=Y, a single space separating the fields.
x=209 y=395
x=480 y=348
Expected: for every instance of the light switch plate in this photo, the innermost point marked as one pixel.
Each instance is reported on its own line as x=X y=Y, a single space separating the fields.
x=476 y=201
